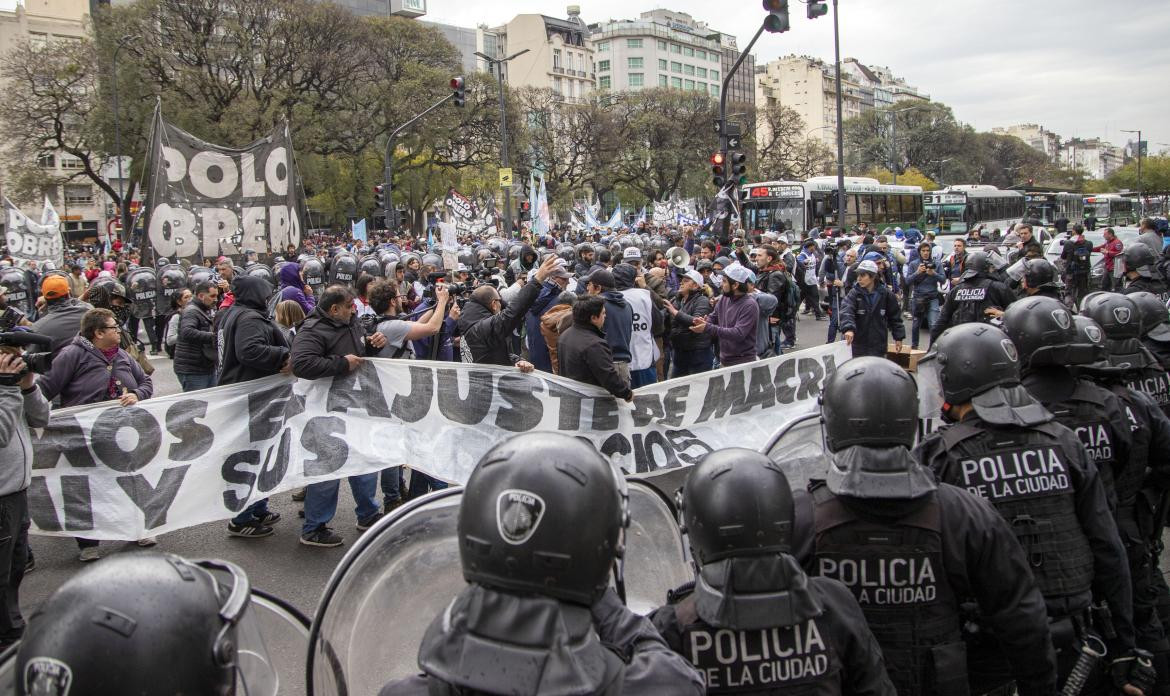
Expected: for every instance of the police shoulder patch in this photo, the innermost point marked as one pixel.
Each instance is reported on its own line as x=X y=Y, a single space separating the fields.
x=1062 y=317
x=1009 y=349
x=45 y=676
x=518 y=514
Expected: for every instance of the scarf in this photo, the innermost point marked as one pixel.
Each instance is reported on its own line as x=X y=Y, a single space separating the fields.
x=109 y=354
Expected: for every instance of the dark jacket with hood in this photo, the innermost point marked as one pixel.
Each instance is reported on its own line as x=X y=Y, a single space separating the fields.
x=619 y=325
x=872 y=317
x=584 y=355
x=250 y=345
x=321 y=344
x=195 y=349
x=61 y=321
x=537 y=349
x=487 y=335
x=292 y=288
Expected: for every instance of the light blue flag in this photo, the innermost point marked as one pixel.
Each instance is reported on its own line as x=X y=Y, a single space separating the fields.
x=358 y=230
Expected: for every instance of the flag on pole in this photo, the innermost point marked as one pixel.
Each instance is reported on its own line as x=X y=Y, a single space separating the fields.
x=49 y=216
x=358 y=230
x=641 y=217
x=541 y=211
x=615 y=220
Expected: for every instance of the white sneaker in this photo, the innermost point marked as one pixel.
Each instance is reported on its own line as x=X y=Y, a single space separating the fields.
x=147 y=541
x=89 y=554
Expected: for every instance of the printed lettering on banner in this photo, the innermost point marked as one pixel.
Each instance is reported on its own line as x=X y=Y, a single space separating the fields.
x=108 y=472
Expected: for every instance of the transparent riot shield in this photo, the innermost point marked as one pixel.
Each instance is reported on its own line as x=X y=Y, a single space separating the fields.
x=273 y=639
x=405 y=571
x=799 y=448
x=930 y=395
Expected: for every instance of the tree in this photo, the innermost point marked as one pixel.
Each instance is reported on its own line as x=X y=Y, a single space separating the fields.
x=667 y=136
x=784 y=152
x=910 y=177
x=1155 y=175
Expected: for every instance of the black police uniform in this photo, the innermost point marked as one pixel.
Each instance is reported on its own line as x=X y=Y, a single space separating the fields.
x=1039 y=478
x=830 y=652
x=910 y=563
x=967 y=300
x=1143 y=284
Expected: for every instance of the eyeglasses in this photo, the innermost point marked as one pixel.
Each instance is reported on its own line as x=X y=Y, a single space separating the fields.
x=115 y=327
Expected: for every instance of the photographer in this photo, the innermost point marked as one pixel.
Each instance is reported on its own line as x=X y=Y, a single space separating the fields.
x=387 y=306
x=21 y=406
x=487 y=325
x=923 y=280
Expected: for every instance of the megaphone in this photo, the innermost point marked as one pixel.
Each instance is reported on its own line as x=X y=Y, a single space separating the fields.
x=678 y=257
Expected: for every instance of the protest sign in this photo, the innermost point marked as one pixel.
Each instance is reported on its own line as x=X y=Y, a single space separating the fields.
x=32 y=241
x=109 y=472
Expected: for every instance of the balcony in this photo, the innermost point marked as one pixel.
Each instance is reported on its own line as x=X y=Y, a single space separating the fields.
x=558 y=70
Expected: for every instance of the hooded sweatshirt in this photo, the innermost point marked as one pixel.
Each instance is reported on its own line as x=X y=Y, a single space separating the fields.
x=292 y=288
x=644 y=319
x=733 y=322
x=619 y=325
x=250 y=345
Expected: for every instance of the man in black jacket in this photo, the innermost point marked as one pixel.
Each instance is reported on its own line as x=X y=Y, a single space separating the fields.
x=251 y=346
x=486 y=325
x=692 y=352
x=330 y=343
x=870 y=313
x=585 y=355
x=195 y=350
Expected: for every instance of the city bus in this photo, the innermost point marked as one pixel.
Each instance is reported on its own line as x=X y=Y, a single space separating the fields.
x=958 y=209
x=795 y=207
x=1048 y=207
x=1111 y=209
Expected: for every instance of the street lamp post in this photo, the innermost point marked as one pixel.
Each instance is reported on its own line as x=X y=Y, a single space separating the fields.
x=1139 y=171
x=123 y=209
x=840 y=125
x=497 y=64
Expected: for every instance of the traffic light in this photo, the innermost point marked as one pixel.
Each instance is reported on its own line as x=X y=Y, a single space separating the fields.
x=738 y=167
x=380 y=197
x=777 y=19
x=717 y=161
x=817 y=9
x=525 y=209
x=460 y=92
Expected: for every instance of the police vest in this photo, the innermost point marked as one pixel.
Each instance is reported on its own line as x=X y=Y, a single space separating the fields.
x=803 y=659
x=1128 y=479
x=1084 y=413
x=1026 y=475
x=1147 y=285
x=895 y=571
x=971 y=297
x=1155 y=383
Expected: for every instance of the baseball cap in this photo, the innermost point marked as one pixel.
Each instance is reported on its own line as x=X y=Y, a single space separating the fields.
x=54 y=286
x=461 y=268
x=694 y=276
x=867 y=267
x=559 y=270
x=602 y=278
x=632 y=253
x=739 y=273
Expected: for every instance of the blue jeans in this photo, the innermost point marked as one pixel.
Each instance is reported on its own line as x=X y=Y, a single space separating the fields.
x=252 y=514
x=640 y=378
x=834 y=312
x=391 y=482
x=421 y=484
x=321 y=500
x=692 y=362
x=196 y=382
x=931 y=317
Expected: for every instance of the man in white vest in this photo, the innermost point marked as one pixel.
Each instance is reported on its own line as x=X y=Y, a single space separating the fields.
x=647 y=321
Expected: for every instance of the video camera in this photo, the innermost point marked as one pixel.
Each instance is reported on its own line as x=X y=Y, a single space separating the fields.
x=38 y=362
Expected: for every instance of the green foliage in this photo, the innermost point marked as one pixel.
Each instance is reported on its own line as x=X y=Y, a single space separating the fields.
x=1155 y=175
x=910 y=177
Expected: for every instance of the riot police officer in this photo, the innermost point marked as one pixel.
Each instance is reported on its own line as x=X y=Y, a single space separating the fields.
x=1120 y=319
x=911 y=550
x=1136 y=508
x=1003 y=445
x=1045 y=338
x=1141 y=271
x=975 y=298
x=1155 y=325
x=541 y=523
x=149 y=624
x=1038 y=278
x=792 y=631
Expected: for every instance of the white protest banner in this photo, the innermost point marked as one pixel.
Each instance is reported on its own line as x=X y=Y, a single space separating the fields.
x=31 y=241
x=108 y=472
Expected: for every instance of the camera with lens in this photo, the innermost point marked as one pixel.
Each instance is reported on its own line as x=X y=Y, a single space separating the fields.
x=929 y=264
x=40 y=361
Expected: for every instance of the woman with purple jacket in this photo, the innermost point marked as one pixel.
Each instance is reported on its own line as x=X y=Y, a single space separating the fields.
x=293 y=287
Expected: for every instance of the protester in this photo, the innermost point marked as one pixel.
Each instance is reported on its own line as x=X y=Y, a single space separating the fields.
x=584 y=353
x=645 y=322
x=553 y=323
x=171 y=335
x=870 y=314
x=733 y=321
x=289 y=316
x=293 y=287
x=619 y=318
x=251 y=346
x=77 y=282
x=692 y=351
x=227 y=276
x=486 y=324
x=195 y=351
x=61 y=316
x=1110 y=249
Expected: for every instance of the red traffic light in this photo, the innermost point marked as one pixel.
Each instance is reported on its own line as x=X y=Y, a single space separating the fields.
x=775 y=5
x=456 y=83
x=379 y=188
x=717 y=159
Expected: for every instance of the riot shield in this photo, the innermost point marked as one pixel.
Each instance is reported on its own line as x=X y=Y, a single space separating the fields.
x=273 y=640
x=197 y=275
x=17 y=290
x=172 y=280
x=405 y=571
x=798 y=447
x=142 y=289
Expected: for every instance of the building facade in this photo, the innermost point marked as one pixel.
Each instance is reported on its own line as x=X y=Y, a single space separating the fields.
x=560 y=56
x=1095 y=157
x=1037 y=137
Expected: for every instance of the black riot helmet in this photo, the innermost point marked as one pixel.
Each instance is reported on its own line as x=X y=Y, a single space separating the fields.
x=314 y=273
x=143 y=291
x=370 y=265
x=1039 y=273
x=1116 y=314
x=197 y=275
x=736 y=502
x=136 y=623
x=1139 y=258
x=343 y=269
x=261 y=270
x=1043 y=332
x=543 y=513
x=1090 y=332
x=977 y=263
x=1155 y=318
x=869 y=417
x=979 y=364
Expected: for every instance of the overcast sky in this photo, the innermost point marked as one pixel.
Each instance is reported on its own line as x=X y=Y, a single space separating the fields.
x=1081 y=68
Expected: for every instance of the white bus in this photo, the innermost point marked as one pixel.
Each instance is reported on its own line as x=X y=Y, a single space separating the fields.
x=795 y=207
x=958 y=209
x=1111 y=209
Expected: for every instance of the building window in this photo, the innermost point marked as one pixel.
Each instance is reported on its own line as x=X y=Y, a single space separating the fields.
x=675 y=48
x=603 y=47
x=636 y=79
x=633 y=43
x=714 y=90
x=688 y=70
x=603 y=82
x=675 y=67
x=714 y=74
x=38 y=39
x=662 y=80
x=70 y=163
x=48 y=161
x=556 y=58
x=634 y=63
x=688 y=51
x=701 y=72
x=603 y=66
x=78 y=194
x=676 y=82
x=689 y=85
x=662 y=64
x=701 y=54
x=572 y=62
x=661 y=45
x=714 y=56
